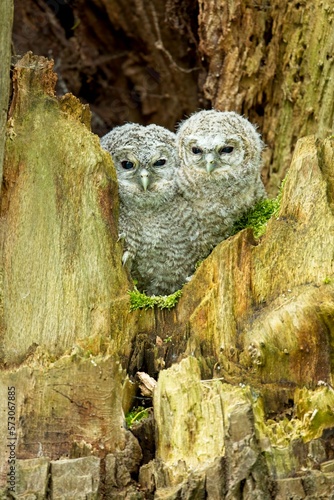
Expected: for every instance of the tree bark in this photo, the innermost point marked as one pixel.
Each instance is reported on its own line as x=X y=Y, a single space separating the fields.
x=59 y=208
x=6 y=22
x=63 y=288
x=273 y=62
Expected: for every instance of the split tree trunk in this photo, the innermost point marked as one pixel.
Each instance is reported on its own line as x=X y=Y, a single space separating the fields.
x=238 y=408
x=243 y=407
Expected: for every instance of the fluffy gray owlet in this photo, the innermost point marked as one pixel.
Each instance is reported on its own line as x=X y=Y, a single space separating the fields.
x=156 y=223
x=220 y=155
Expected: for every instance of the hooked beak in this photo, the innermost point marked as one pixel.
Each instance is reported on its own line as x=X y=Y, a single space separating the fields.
x=144 y=178
x=210 y=163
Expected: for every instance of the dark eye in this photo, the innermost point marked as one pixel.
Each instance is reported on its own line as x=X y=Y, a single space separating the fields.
x=159 y=163
x=197 y=151
x=226 y=149
x=127 y=165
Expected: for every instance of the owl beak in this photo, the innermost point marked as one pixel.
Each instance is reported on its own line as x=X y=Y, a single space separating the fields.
x=144 y=178
x=210 y=163
x=210 y=167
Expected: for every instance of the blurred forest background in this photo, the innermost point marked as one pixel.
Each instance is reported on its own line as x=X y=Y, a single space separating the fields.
x=159 y=61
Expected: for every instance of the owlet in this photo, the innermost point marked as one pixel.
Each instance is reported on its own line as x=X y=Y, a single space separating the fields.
x=219 y=174
x=156 y=223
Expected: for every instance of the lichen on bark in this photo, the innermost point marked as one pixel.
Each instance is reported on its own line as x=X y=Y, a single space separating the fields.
x=61 y=262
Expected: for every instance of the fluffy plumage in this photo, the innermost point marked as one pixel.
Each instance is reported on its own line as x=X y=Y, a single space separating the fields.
x=219 y=175
x=156 y=223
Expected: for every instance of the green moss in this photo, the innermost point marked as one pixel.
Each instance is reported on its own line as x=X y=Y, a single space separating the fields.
x=136 y=415
x=140 y=300
x=198 y=263
x=258 y=217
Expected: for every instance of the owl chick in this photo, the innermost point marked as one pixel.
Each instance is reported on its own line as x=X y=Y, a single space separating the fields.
x=219 y=174
x=156 y=223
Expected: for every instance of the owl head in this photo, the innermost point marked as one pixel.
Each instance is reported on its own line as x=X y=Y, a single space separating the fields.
x=145 y=159
x=218 y=143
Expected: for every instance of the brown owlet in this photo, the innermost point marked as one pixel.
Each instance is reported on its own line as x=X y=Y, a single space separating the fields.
x=219 y=174
x=155 y=221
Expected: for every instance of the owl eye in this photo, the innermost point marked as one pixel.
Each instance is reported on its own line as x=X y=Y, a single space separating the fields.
x=197 y=151
x=226 y=149
x=159 y=163
x=127 y=165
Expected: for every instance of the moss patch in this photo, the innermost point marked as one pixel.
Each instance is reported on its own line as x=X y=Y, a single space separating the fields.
x=140 y=300
x=258 y=217
x=136 y=415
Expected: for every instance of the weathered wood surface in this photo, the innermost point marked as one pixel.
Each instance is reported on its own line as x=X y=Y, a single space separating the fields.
x=209 y=430
x=6 y=23
x=62 y=275
x=262 y=309
x=63 y=287
x=273 y=62
x=257 y=313
x=238 y=406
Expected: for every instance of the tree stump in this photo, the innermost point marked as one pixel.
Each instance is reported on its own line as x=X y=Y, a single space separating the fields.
x=243 y=406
